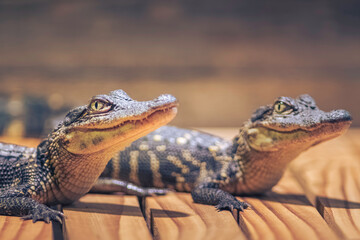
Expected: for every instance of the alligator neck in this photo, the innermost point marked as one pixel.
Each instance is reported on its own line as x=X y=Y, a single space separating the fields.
x=71 y=175
x=260 y=170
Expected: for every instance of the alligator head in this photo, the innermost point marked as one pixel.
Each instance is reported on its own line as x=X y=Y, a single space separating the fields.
x=292 y=123
x=78 y=150
x=278 y=133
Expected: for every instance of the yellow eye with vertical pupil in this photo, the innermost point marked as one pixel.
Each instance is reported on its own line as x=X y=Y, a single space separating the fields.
x=99 y=106
x=281 y=107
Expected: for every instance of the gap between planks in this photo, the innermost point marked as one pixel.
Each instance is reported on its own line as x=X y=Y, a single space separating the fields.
x=283 y=213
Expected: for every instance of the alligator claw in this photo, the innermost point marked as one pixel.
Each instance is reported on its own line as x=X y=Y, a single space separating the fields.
x=231 y=205
x=44 y=214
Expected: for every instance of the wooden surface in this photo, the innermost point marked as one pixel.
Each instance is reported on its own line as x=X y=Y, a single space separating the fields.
x=175 y=216
x=105 y=217
x=12 y=228
x=318 y=198
x=329 y=174
x=283 y=213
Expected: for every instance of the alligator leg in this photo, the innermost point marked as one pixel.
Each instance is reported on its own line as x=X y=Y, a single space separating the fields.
x=211 y=194
x=28 y=208
x=108 y=185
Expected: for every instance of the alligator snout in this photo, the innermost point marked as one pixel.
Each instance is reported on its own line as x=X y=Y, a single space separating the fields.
x=337 y=116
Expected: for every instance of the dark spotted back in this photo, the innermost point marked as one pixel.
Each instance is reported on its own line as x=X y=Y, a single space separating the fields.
x=169 y=157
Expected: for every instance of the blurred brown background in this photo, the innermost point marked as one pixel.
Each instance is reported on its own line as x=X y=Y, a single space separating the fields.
x=221 y=59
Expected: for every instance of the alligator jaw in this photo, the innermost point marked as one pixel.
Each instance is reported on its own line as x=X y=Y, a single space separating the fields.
x=120 y=134
x=266 y=137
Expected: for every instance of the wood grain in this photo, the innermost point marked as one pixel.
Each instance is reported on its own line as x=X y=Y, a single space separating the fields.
x=97 y=216
x=329 y=175
x=354 y=136
x=283 y=213
x=12 y=228
x=175 y=216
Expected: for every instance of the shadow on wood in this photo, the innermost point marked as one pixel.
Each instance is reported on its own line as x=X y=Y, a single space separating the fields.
x=300 y=199
x=168 y=213
x=116 y=209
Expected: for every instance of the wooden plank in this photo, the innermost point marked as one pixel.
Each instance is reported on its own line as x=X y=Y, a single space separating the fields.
x=97 y=216
x=329 y=174
x=283 y=213
x=175 y=216
x=354 y=136
x=12 y=228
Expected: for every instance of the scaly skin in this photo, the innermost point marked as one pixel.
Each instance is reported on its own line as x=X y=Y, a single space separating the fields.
x=65 y=165
x=212 y=168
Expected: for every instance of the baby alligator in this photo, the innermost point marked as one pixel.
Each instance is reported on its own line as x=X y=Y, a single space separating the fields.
x=212 y=168
x=65 y=165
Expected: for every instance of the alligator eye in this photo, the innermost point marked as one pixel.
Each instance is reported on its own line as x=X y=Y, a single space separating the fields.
x=281 y=107
x=99 y=106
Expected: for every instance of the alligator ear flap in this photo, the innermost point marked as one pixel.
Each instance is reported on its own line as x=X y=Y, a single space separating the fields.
x=74 y=114
x=260 y=112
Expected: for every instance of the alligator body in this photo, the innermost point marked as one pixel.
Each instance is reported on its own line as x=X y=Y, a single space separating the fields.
x=214 y=169
x=66 y=164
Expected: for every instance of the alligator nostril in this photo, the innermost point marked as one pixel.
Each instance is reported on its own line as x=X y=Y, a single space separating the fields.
x=159 y=99
x=346 y=115
x=339 y=115
x=165 y=98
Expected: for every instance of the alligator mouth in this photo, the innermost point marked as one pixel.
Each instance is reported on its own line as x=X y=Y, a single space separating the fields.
x=119 y=134
x=266 y=138
x=333 y=126
x=148 y=117
x=155 y=116
x=148 y=123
